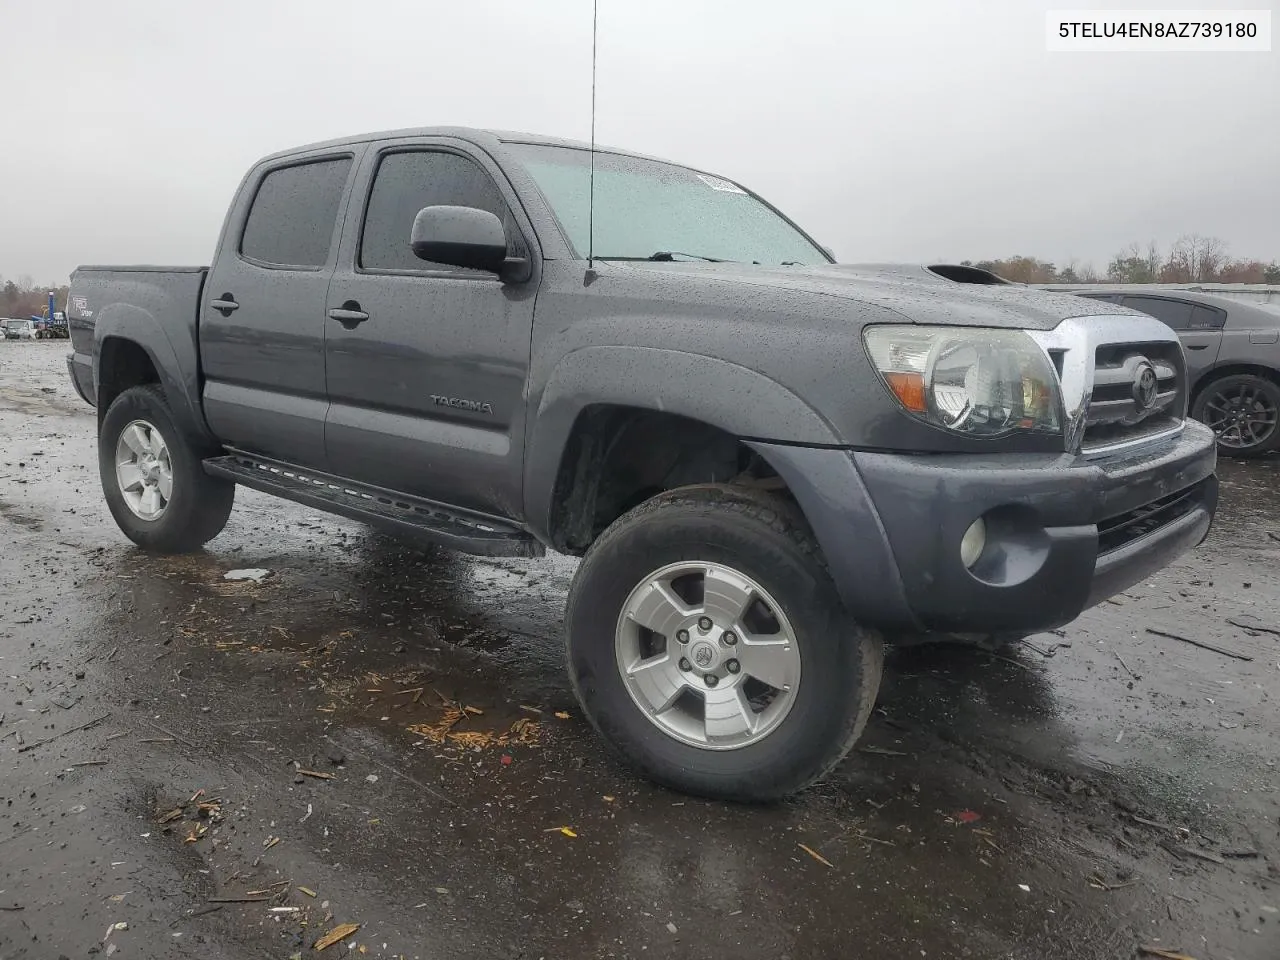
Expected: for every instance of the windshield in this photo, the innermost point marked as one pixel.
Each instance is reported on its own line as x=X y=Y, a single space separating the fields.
x=645 y=207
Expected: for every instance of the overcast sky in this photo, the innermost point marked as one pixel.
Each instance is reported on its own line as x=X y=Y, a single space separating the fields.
x=919 y=130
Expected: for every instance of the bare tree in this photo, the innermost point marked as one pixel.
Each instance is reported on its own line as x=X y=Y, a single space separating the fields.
x=1194 y=259
x=1153 y=261
x=1130 y=265
x=1243 y=271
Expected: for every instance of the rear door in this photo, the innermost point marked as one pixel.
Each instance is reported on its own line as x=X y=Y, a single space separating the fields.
x=1198 y=327
x=427 y=393
x=262 y=322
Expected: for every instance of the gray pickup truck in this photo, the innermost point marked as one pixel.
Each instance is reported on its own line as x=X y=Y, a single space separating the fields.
x=769 y=462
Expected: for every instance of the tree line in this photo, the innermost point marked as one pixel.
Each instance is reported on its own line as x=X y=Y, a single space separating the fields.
x=24 y=297
x=1191 y=259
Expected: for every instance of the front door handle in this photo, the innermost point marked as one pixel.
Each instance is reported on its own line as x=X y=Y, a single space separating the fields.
x=225 y=304
x=349 y=315
x=1197 y=346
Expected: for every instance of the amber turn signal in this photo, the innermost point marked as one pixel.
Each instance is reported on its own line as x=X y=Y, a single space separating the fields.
x=909 y=389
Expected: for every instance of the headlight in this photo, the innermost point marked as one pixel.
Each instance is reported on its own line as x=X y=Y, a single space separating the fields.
x=975 y=381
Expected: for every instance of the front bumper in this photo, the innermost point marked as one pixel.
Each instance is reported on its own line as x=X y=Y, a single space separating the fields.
x=1064 y=532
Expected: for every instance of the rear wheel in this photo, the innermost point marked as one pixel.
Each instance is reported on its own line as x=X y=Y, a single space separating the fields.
x=152 y=476
x=1243 y=410
x=707 y=644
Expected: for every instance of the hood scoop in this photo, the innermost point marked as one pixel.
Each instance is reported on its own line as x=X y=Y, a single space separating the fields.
x=958 y=273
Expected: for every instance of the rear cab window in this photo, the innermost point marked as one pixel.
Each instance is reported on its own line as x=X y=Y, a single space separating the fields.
x=295 y=209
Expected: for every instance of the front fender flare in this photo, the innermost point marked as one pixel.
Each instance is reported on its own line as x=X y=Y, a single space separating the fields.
x=733 y=398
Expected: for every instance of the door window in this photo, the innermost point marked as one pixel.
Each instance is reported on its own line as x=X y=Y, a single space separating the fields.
x=406 y=182
x=1207 y=318
x=293 y=214
x=1175 y=313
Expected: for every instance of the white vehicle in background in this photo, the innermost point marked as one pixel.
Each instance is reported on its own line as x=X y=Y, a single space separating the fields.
x=19 y=330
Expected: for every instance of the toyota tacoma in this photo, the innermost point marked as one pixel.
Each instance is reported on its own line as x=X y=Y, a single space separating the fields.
x=769 y=463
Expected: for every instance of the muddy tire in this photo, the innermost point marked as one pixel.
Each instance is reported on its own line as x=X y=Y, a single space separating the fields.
x=708 y=646
x=152 y=476
x=1243 y=410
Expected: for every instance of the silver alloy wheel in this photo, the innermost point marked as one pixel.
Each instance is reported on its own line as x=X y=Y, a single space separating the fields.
x=707 y=655
x=144 y=471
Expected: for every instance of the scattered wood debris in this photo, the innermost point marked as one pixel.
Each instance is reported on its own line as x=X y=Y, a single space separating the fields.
x=1252 y=624
x=524 y=731
x=816 y=855
x=1131 y=674
x=1201 y=644
x=336 y=935
x=1096 y=881
x=882 y=751
x=70 y=730
x=1201 y=854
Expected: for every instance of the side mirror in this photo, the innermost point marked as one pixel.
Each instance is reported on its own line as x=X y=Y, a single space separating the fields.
x=829 y=252
x=461 y=237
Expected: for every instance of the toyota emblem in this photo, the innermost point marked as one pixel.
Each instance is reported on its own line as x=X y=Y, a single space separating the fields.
x=1145 y=386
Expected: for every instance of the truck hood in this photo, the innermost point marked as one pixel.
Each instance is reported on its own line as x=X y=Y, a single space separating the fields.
x=912 y=291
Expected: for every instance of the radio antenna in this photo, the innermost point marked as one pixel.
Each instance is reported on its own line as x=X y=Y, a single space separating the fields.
x=591 y=187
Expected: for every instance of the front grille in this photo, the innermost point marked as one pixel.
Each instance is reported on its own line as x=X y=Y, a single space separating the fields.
x=1117 y=414
x=1115 y=532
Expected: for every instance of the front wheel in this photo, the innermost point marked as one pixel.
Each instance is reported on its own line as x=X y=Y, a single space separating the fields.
x=153 y=478
x=1243 y=410
x=708 y=646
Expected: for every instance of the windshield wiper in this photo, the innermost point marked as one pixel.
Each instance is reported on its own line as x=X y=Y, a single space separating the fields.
x=667 y=255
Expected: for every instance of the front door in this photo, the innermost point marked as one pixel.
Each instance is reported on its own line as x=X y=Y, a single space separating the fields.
x=263 y=320
x=426 y=363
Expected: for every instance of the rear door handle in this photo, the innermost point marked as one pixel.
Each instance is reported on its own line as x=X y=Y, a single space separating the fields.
x=349 y=315
x=225 y=304
x=1197 y=346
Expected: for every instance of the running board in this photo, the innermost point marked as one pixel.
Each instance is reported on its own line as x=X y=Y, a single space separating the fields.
x=413 y=517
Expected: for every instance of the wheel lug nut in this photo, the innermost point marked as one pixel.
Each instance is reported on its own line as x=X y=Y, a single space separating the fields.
x=685 y=665
x=729 y=639
x=704 y=624
x=733 y=666
x=711 y=679
x=682 y=636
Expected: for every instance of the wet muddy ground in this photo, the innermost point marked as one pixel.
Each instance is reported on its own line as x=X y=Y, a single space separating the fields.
x=380 y=736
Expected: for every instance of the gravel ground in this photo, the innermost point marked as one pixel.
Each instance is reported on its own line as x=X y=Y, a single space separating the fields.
x=1098 y=790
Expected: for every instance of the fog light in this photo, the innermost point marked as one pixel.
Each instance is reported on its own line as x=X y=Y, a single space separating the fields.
x=973 y=542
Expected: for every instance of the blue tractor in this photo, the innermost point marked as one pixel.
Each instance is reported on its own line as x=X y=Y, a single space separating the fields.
x=52 y=325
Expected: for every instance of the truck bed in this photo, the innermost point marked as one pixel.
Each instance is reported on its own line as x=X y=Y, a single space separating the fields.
x=157 y=306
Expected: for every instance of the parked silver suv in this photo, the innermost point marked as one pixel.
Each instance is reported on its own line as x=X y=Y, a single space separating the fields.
x=19 y=330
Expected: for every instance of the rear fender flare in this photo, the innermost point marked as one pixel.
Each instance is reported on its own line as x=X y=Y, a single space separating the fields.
x=179 y=377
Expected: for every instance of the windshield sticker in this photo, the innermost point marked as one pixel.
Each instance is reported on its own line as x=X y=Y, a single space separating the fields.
x=724 y=186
